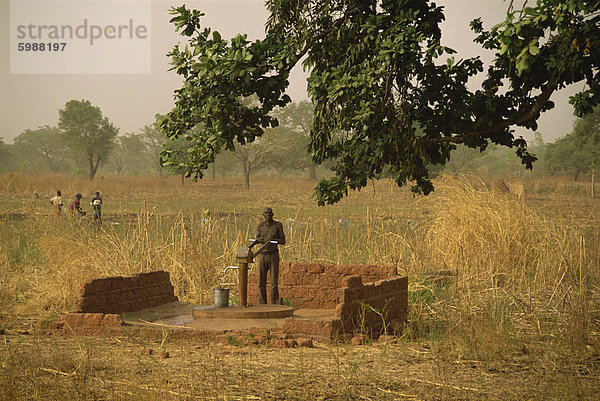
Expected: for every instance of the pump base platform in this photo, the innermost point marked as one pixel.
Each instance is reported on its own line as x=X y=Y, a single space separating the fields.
x=240 y=312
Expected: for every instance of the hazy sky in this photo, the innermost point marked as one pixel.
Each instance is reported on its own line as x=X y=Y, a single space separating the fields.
x=130 y=101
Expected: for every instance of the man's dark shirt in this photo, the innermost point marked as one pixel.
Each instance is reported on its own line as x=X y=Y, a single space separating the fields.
x=269 y=232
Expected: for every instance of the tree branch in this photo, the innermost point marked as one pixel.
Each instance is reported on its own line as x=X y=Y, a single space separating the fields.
x=534 y=112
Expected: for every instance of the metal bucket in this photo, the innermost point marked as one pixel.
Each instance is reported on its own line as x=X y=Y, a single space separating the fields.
x=221 y=296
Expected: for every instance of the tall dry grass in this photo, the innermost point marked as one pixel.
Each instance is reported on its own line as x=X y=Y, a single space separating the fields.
x=560 y=185
x=511 y=273
x=518 y=274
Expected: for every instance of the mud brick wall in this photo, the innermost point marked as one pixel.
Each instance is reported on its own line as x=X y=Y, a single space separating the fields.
x=125 y=294
x=315 y=286
x=368 y=306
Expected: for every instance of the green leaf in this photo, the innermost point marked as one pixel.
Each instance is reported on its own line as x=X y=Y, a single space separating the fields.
x=531 y=11
x=534 y=50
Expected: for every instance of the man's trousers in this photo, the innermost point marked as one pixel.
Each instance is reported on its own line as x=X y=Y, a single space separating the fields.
x=268 y=263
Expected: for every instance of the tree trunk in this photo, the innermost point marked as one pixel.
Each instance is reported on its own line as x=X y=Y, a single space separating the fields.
x=247 y=180
x=312 y=172
x=92 y=172
x=214 y=177
x=593 y=183
x=182 y=179
x=247 y=169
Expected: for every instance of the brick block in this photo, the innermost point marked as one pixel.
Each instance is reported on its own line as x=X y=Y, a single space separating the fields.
x=341 y=295
x=384 y=285
x=353 y=294
x=314 y=268
x=348 y=310
x=87 y=304
x=73 y=319
x=284 y=266
x=310 y=327
x=305 y=342
x=107 y=284
x=327 y=281
x=98 y=286
x=352 y=281
x=92 y=319
x=338 y=311
x=329 y=295
x=112 y=320
x=297 y=267
x=85 y=288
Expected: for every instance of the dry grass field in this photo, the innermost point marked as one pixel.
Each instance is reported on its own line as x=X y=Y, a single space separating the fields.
x=504 y=289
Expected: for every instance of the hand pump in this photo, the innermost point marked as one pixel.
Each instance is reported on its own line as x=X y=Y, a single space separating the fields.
x=243 y=257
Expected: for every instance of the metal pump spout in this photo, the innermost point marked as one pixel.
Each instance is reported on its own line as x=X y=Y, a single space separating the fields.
x=230 y=267
x=245 y=256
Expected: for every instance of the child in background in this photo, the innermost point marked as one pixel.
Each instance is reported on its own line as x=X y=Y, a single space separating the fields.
x=97 y=207
x=57 y=203
x=76 y=205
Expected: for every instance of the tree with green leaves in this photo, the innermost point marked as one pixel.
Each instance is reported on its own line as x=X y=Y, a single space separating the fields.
x=126 y=150
x=297 y=118
x=88 y=134
x=154 y=140
x=387 y=94
x=579 y=151
x=587 y=129
x=5 y=156
x=43 y=149
x=257 y=154
x=225 y=163
x=291 y=153
x=463 y=159
x=175 y=156
x=566 y=155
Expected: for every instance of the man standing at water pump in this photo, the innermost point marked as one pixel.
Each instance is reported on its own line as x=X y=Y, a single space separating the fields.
x=268 y=258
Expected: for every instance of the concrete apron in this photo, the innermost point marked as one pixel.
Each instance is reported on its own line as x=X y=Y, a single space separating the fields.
x=209 y=318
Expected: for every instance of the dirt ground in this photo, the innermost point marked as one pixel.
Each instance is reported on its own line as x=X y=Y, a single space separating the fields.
x=38 y=365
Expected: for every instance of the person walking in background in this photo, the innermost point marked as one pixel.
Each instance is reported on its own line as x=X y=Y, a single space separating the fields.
x=96 y=203
x=56 y=201
x=76 y=206
x=268 y=259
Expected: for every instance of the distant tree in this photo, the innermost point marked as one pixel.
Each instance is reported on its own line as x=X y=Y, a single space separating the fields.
x=175 y=156
x=89 y=135
x=464 y=158
x=153 y=139
x=587 y=131
x=298 y=118
x=567 y=155
x=290 y=154
x=539 y=147
x=579 y=151
x=224 y=164
x=498 y=160
x=254 y=156
x=43 y=149
x=126 y=150
x=5 y=156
